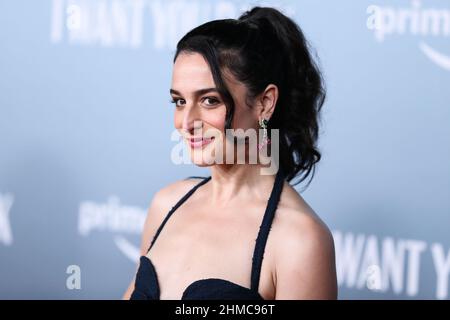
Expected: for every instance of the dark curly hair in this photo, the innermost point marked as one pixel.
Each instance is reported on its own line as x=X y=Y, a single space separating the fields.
x=261 y=47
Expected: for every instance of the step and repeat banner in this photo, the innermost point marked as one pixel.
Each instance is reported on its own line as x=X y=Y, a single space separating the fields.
x=86 y=139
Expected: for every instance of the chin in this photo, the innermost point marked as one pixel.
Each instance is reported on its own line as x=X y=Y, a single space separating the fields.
x=202 y=160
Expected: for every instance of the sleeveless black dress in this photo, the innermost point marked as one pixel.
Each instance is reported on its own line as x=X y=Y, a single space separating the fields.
x=146 y=283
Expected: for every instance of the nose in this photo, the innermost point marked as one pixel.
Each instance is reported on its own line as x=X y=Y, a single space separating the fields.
x=191 y=120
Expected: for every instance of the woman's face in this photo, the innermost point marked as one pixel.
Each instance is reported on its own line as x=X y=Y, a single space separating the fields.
x=200 y=111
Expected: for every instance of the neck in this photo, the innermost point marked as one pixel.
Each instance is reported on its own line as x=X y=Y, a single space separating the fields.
x=238 y=182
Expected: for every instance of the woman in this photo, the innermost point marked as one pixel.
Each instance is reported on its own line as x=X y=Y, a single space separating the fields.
x=255 y=72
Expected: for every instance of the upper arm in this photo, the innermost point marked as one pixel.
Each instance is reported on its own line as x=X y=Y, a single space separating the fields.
x=305 y=267
x=152 y=221
x=149 y=229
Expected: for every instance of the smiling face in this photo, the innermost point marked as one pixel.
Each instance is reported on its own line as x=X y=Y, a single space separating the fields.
x=200 y=111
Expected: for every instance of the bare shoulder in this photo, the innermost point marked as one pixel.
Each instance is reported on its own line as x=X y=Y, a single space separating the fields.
x=167 y=196
x=305 y=257
x=161 y=203
x=296 y=220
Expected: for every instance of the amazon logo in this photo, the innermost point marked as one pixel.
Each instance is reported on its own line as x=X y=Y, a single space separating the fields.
x=115 y=218
x=414 y=20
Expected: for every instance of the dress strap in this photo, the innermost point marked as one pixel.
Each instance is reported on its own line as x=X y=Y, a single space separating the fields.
x=264 y=229
x=177 y=205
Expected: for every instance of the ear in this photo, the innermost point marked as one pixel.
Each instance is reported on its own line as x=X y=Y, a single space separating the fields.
x=267 y=101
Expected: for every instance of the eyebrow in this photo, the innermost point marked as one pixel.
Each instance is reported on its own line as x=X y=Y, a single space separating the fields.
x=197 y=92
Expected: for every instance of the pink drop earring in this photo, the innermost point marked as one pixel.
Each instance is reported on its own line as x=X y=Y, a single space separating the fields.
x=265 y=139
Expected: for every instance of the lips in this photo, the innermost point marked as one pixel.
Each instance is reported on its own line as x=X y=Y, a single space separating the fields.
x=199 y=142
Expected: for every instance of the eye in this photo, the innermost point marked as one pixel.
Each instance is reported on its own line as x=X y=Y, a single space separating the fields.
x=210 y=101
x=178 y=102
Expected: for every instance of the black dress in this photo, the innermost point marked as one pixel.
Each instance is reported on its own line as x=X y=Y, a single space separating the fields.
x=146 y=283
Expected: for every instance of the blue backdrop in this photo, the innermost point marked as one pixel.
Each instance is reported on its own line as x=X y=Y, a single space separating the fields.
x=86 y=123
